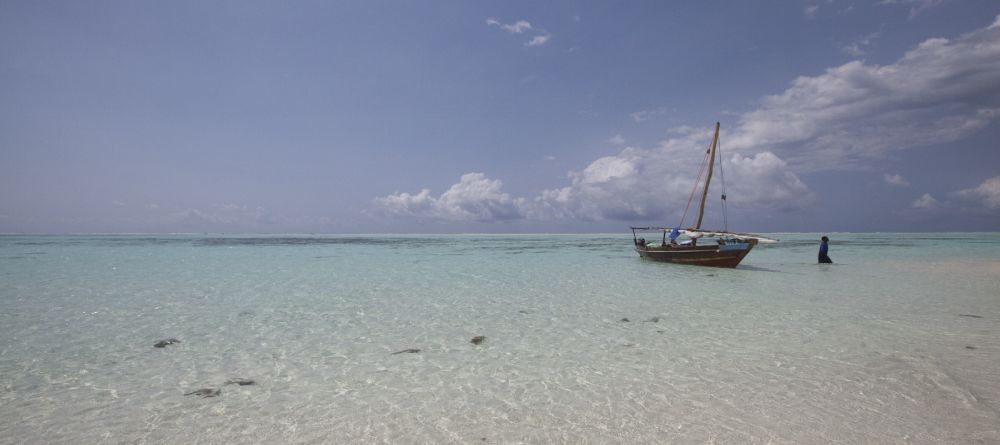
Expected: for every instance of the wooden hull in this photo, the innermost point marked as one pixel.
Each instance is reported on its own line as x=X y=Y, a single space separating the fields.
x=712 y=255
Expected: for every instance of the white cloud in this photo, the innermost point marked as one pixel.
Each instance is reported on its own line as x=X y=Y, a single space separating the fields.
x=634 y=184
x=940 y=91
x=764 y=180
x=986 y=194
x=926 y=202
x=645 y=115
x=228 y=218
x=656 y=183
x=538 y=40
x=811 y=10
x=225 y=215
x=474 y=198
x=617 y=140
x=896 y=180
x=517 y=27
x=916 y=6
x=859 y=47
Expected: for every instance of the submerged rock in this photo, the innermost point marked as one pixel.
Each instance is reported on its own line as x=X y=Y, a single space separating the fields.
x=165 y=343
x=970 y=347
x=624 y=320
x=406 y=351
x=240 y=381
x=205 y=392
x=477 y=339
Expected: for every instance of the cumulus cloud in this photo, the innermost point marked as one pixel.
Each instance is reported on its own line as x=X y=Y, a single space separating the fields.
x=231 y=216
x=645 y=115
x=980 y=201
x=940 y=91
x=517 y=27
x=617 y=139
x=539 y=38
x=860 y=46
x=895 y=180
x=656 y=183
x=636 y=183
x=474 y=198
x=986 y=195
x=810 y=11
x=916 y=6
x=926 y=202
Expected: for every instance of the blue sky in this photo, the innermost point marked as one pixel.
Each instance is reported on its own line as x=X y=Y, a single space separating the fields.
x=343 y=117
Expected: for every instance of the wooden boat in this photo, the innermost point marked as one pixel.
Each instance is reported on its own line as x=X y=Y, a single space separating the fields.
x=722 y=249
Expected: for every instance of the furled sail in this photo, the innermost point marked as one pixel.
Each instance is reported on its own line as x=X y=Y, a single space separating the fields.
x=691 y=233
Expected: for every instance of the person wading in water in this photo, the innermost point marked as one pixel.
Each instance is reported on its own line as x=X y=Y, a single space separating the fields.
x=824 y=247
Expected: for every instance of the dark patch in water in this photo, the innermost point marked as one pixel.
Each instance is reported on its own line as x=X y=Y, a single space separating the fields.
x=44 y=243
x=240 y=381
x=477 y=339
x=205 y=392
x=406 y=351
x=308 y=241
x=165 y=343
x=653 y=320
x=970 y=315
x=624 y=320
x=970 y=347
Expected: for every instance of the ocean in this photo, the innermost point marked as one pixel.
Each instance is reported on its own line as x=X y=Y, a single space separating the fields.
x=897 y=342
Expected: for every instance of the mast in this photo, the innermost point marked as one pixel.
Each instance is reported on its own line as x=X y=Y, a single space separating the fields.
x=708 y=179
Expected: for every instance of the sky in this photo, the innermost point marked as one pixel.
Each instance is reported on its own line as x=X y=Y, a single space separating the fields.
x=497 y=116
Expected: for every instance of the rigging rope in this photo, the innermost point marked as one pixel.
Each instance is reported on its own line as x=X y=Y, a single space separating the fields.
x=701 y=171
x=722 y=175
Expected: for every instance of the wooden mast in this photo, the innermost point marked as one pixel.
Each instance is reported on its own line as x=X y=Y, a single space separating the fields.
x=711 y=163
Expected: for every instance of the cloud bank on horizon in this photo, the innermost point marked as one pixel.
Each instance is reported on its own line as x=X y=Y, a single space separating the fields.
x=942 y=90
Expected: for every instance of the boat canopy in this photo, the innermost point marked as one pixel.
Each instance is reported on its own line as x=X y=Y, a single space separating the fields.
x=692 y=233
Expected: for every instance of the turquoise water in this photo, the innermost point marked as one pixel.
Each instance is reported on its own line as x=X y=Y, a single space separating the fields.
x=895 y=343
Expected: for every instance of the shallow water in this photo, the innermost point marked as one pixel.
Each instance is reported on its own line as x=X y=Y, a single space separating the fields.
x=895 y=343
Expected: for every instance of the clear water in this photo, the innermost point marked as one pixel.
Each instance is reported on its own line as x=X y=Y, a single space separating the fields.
x=895 y=343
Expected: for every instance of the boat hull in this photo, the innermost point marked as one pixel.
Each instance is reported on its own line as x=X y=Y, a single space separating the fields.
x=713 y=255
